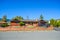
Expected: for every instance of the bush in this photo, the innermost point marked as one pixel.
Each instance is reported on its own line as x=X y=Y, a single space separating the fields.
x=4 y=25
x=55 y=23
x=22 y=23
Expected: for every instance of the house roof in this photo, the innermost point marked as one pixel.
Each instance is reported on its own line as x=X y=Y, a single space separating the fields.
x=17 y=21
x=29 y=21
x=42 y=21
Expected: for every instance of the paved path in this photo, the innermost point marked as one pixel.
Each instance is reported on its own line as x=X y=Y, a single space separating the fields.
x=30 y=35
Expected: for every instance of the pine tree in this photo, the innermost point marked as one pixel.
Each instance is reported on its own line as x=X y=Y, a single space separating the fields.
x=41 y=17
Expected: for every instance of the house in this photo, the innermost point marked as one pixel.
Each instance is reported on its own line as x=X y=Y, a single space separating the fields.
x=42 y=23
x=14 y=23
x=28 y=22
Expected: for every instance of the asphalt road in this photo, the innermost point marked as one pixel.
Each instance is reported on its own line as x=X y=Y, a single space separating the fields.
x=30 y=35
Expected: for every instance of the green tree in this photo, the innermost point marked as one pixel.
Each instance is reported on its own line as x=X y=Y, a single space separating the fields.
x=52 y=22
x=58 y=23
x=4 y=18
x=55 y=23
x=18 y=18
x=41 y=17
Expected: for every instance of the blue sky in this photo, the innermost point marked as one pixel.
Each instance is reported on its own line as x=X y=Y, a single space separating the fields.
x=32 y=8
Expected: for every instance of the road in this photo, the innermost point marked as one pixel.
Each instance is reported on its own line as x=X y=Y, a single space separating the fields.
x=43 y=35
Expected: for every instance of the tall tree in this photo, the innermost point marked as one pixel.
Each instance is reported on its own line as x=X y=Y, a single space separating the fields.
x=53 y=22
x=4 y=18
x=41 y=17
x=18 y=18
x=58 y=23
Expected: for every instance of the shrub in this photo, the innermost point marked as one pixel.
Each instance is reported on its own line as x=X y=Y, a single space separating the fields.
x=4 y=25
x=21 y=23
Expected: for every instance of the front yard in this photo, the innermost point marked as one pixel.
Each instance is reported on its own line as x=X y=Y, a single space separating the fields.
x=23 y=28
